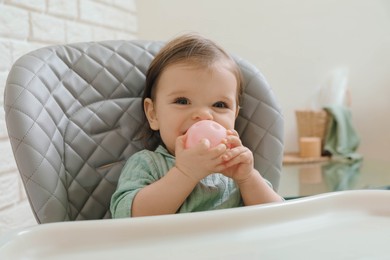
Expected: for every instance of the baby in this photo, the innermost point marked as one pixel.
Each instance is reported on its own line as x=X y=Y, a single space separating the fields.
x=191 y=79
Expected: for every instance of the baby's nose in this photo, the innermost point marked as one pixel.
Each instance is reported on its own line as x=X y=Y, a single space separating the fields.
x=203 y=114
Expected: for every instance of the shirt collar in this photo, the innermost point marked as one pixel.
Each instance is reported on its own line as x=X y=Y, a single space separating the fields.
x=162 y=150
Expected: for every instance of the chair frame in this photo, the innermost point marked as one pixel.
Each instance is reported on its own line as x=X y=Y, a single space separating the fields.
x=70 y=120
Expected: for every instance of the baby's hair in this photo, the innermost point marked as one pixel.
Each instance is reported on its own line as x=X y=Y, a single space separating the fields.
x=191 y=49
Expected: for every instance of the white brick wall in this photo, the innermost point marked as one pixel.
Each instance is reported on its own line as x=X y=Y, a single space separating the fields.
x=66 y=9
x=14 y=22
x=46 y=28
x=26 y=25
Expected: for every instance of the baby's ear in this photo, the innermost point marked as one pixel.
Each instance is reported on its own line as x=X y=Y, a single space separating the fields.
x=150 y=113
x=238 y=110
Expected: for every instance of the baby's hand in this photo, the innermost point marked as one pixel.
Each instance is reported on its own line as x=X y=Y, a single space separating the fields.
x=238 y=160
x=200 y=160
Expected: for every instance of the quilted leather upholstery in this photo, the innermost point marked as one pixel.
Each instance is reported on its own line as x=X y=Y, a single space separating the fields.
x=72 y=112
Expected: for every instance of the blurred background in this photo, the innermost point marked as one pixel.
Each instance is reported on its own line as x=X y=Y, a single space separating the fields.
x=297 y=45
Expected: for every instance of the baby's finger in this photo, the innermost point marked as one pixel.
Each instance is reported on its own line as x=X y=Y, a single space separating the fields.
x=232 y=132
x=218 y=150
x=244 y=157
x=203 y=145
x=233 y=141
x=179 y=144
x=229 y=155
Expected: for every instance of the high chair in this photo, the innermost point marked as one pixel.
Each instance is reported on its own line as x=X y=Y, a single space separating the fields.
x=73 y=112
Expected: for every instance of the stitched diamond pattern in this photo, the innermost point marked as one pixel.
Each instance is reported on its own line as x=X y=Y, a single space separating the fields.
x=72 y=113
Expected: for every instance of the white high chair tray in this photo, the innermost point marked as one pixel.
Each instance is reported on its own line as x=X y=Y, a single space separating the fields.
x=342 y=225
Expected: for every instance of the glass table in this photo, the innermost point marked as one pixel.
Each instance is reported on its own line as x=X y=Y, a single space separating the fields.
x=306 y=179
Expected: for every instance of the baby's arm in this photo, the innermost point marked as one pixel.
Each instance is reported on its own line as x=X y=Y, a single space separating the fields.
x=255 y=190
x=239 y=166
x=164 y=196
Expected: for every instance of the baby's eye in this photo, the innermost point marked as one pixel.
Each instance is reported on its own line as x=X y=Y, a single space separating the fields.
x=220 y=104
x=182 y=101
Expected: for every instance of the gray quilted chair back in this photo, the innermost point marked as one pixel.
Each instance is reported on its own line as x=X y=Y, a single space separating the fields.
x=72 y=114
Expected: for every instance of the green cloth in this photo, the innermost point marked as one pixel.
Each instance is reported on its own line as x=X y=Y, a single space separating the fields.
x=342 y=175
x=216 y=191
x=341 y=139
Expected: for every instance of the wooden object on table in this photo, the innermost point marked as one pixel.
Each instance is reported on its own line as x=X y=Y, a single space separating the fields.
x=312 y=123
x=310 y=147
x=294 y=158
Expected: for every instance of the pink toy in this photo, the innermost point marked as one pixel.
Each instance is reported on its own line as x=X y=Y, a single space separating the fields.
x=208 y=129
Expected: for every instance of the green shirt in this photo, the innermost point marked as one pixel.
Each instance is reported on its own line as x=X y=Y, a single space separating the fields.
x=216 y=191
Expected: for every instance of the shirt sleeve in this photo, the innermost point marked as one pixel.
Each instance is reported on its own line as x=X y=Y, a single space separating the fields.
x=136 y=174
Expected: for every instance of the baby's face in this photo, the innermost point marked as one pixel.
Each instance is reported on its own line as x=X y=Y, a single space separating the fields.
x=186 y=94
